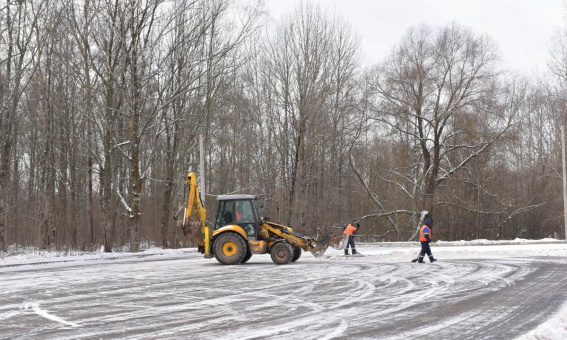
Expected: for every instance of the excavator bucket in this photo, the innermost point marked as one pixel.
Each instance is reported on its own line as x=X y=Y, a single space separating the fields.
x=193 y=231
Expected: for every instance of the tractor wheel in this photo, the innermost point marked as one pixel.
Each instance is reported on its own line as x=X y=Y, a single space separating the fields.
x=230 y=248
x=296 y=254
x=282 y=253
x=247 y=256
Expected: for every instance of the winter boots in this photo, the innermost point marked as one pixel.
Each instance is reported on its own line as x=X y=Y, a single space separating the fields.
x=420 y=259
x=354 y=252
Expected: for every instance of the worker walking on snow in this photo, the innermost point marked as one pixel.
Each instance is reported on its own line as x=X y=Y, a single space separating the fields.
x=351 y=230
x=425 y=239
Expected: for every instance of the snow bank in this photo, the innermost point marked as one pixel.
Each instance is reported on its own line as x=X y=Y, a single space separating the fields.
x=30 y=255
x=554 y=329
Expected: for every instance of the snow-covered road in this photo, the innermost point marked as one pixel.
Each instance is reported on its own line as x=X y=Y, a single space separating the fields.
x=473 y=292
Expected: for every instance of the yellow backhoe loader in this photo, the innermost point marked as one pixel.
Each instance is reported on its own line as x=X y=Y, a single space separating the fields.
x=241 y=229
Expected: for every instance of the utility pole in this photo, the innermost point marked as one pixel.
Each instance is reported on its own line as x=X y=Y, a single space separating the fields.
x=202 y=167
x=564 y=177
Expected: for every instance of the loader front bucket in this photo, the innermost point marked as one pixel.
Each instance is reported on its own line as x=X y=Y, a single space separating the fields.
x=321 y=246
x=339 y=242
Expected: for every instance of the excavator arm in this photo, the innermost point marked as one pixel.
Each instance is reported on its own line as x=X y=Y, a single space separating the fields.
x=196 y=212
x=286 y=233
x=317 y=248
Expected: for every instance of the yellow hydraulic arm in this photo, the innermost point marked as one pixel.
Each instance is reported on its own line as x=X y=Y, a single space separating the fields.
x=295 y=240
x=195 y=208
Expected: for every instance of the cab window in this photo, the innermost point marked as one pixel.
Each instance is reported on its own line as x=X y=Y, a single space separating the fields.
x=243 y=212
x=244 y=216
x=259 y=210
x=237 y=212
x=225 y=214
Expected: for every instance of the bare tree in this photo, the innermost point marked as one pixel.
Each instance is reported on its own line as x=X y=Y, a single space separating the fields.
x=311 y=65
x=101 y=103
x=181 y=74
x=106 y=64
x=79 y=26
x=19 y=21
x=440 y=91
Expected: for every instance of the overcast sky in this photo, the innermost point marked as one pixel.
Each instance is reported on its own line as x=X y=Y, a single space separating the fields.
x=522 y=29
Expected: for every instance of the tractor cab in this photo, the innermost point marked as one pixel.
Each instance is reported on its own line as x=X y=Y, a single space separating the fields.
x=241 y=210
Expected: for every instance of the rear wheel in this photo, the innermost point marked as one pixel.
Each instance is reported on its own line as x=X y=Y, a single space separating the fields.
x=282 y=253
x=296 y=254
x=230 y=248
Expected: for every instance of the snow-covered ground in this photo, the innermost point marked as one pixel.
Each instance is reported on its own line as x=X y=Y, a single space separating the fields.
x=554 y=328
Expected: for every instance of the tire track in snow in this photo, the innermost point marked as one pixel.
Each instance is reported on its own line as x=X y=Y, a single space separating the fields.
x=34 y=307
x=497 y=309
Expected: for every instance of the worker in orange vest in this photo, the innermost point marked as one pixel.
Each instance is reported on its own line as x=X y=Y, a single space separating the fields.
x=351 y=230
x=425 y=239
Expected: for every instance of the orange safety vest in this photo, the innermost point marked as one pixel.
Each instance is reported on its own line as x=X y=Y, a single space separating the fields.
x=350 y=229
x=425 y=230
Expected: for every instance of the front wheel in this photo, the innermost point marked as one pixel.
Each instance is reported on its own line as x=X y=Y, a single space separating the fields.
x=230 y=248
x=282 y=253
x=247 y=256
x=296 y=254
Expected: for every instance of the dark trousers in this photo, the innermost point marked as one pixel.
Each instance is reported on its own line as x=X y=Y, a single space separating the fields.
x=350 y=242
x=425 y=250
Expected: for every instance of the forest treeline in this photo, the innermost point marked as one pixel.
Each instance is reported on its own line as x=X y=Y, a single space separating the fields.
x=102 y=103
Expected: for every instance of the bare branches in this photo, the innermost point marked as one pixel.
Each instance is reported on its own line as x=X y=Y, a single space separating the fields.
x=97 y=97
x=434 y=82
x=372 y=195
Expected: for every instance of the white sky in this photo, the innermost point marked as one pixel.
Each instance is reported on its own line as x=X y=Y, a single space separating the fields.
x=522 y=29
